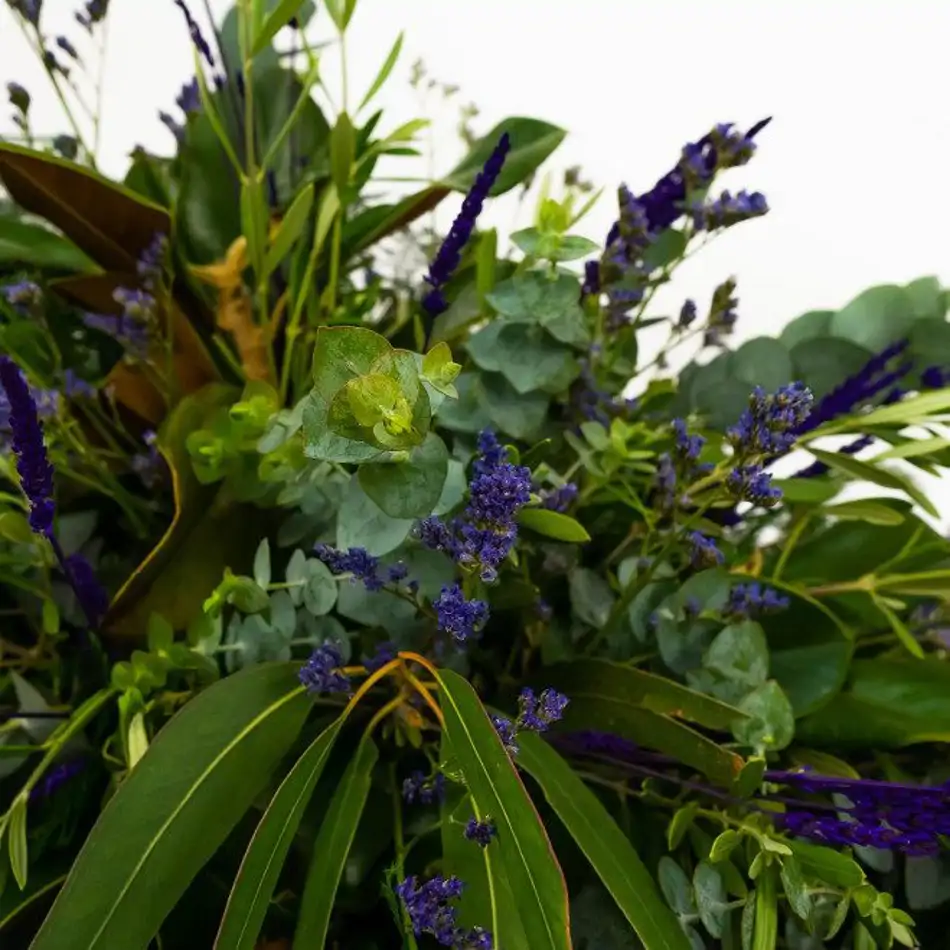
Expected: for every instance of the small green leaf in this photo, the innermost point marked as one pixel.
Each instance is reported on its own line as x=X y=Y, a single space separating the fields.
x=320 y=590
x=793 y=884
x=676 y=887
x=772 y=723
x=439 y=370
x=553 y=524
x=609 y=851
x=16 y=840
x=680 y=824
x=740 y=653
x=332 y=846
x=410 y=488
x=361 y=523
x=724 y=845
x=900 y=628
x=262 y=564
x=496 y=788
x=342 y=152
x=160 y=633
x=276 y=20
x=256 y=879
x=383 y=73
x=291 y=227
x=711 y=899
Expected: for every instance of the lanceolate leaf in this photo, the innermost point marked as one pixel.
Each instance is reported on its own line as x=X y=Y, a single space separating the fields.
x=607 y=848
x=522 y=844
x=111 y=224
x=175 y=809
x=264 y=858
x=333 y=845
x=614 y=681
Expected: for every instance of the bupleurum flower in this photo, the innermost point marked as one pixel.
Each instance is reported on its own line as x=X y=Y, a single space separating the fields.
x=460 y=618
x=450 y=253
x=481 y=832
x=322 y=673
x=427 y=905
x=483 y=535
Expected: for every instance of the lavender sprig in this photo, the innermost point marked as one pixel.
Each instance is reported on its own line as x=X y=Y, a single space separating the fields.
x=450 y=253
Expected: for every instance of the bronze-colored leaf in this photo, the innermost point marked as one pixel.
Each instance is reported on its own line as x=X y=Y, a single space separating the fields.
x=110 y=223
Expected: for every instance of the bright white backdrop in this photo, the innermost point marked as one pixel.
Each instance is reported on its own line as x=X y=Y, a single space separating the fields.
x=853 y=163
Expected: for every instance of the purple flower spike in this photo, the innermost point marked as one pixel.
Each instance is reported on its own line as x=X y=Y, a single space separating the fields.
x=36 y=473
x=450 y=253
x=196 y=36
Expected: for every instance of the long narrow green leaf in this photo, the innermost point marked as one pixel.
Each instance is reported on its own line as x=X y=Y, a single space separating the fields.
x=647 y=690
x=265 y=855
x=522 y=843
x=276 y=20
x=607 y=848
x=290 y=229
x=383 y=73
x=174 y=810
x=865 y=472
x=332 y=846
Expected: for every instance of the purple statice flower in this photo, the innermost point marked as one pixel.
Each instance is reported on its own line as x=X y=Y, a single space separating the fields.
x=196 y=36
x=189 y=101
x=890 y=815
x=933 y=377
x=150 y=265
x=769 y=426
x=133 y=337
x=483 y=535
x=665 y=480
x=429 y=910
x=36 y=473
x=322 y=673
x=19 y=97
x=460 y=618
x=57 y=776
x=559 y=499
x=90 y=594
x=24 y=296
x=385 y=653
x=753 y=483
x=687 y=315
x=728 y=210
x=450 y=253
x=537 y=713
x=149 y=465
x=688 y=447
x=722 y=313
x=506 y=732
x=64 y=44
x=426 y=789
x=95 y=12
x=75 y=387
x=703 y=550
x=751 y=600
x=356 y=561
x=481 y=832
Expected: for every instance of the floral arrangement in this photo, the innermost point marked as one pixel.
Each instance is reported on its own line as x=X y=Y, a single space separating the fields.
x=346 y=610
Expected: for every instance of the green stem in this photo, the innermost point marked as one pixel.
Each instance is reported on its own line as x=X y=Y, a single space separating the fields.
x=334 y=264
x=399 y=842
x=794 y=536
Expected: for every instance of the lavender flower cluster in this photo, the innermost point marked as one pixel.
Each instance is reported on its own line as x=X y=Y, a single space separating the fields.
x=323 y=673
x=535 y=714
x=753 y=600
x=450 y=253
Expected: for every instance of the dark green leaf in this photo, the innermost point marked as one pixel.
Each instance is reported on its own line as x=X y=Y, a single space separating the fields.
x=291 y=227
x=740 y=654
x=876 y=317
x=254 y=885
x=409 y=489
x=532 y=359
x=281 y=14
x=867 y=510
x=591 y=597
x=361 y=523
x=174 y=810
x=815 y=323
x=676 y=887
x=606 y=847
x=342 y=152
x=520 y=416
x=711 y=899
x=824 y=363
x=532 y=141
x=523 y=846
x=762 y=362
x=337 y=831
x=771 y=725
x=29 y=245
x=535 y=297
x=826 y=864
x=553 y=524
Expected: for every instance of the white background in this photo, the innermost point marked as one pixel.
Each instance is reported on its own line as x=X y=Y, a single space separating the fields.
x=854 y=163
